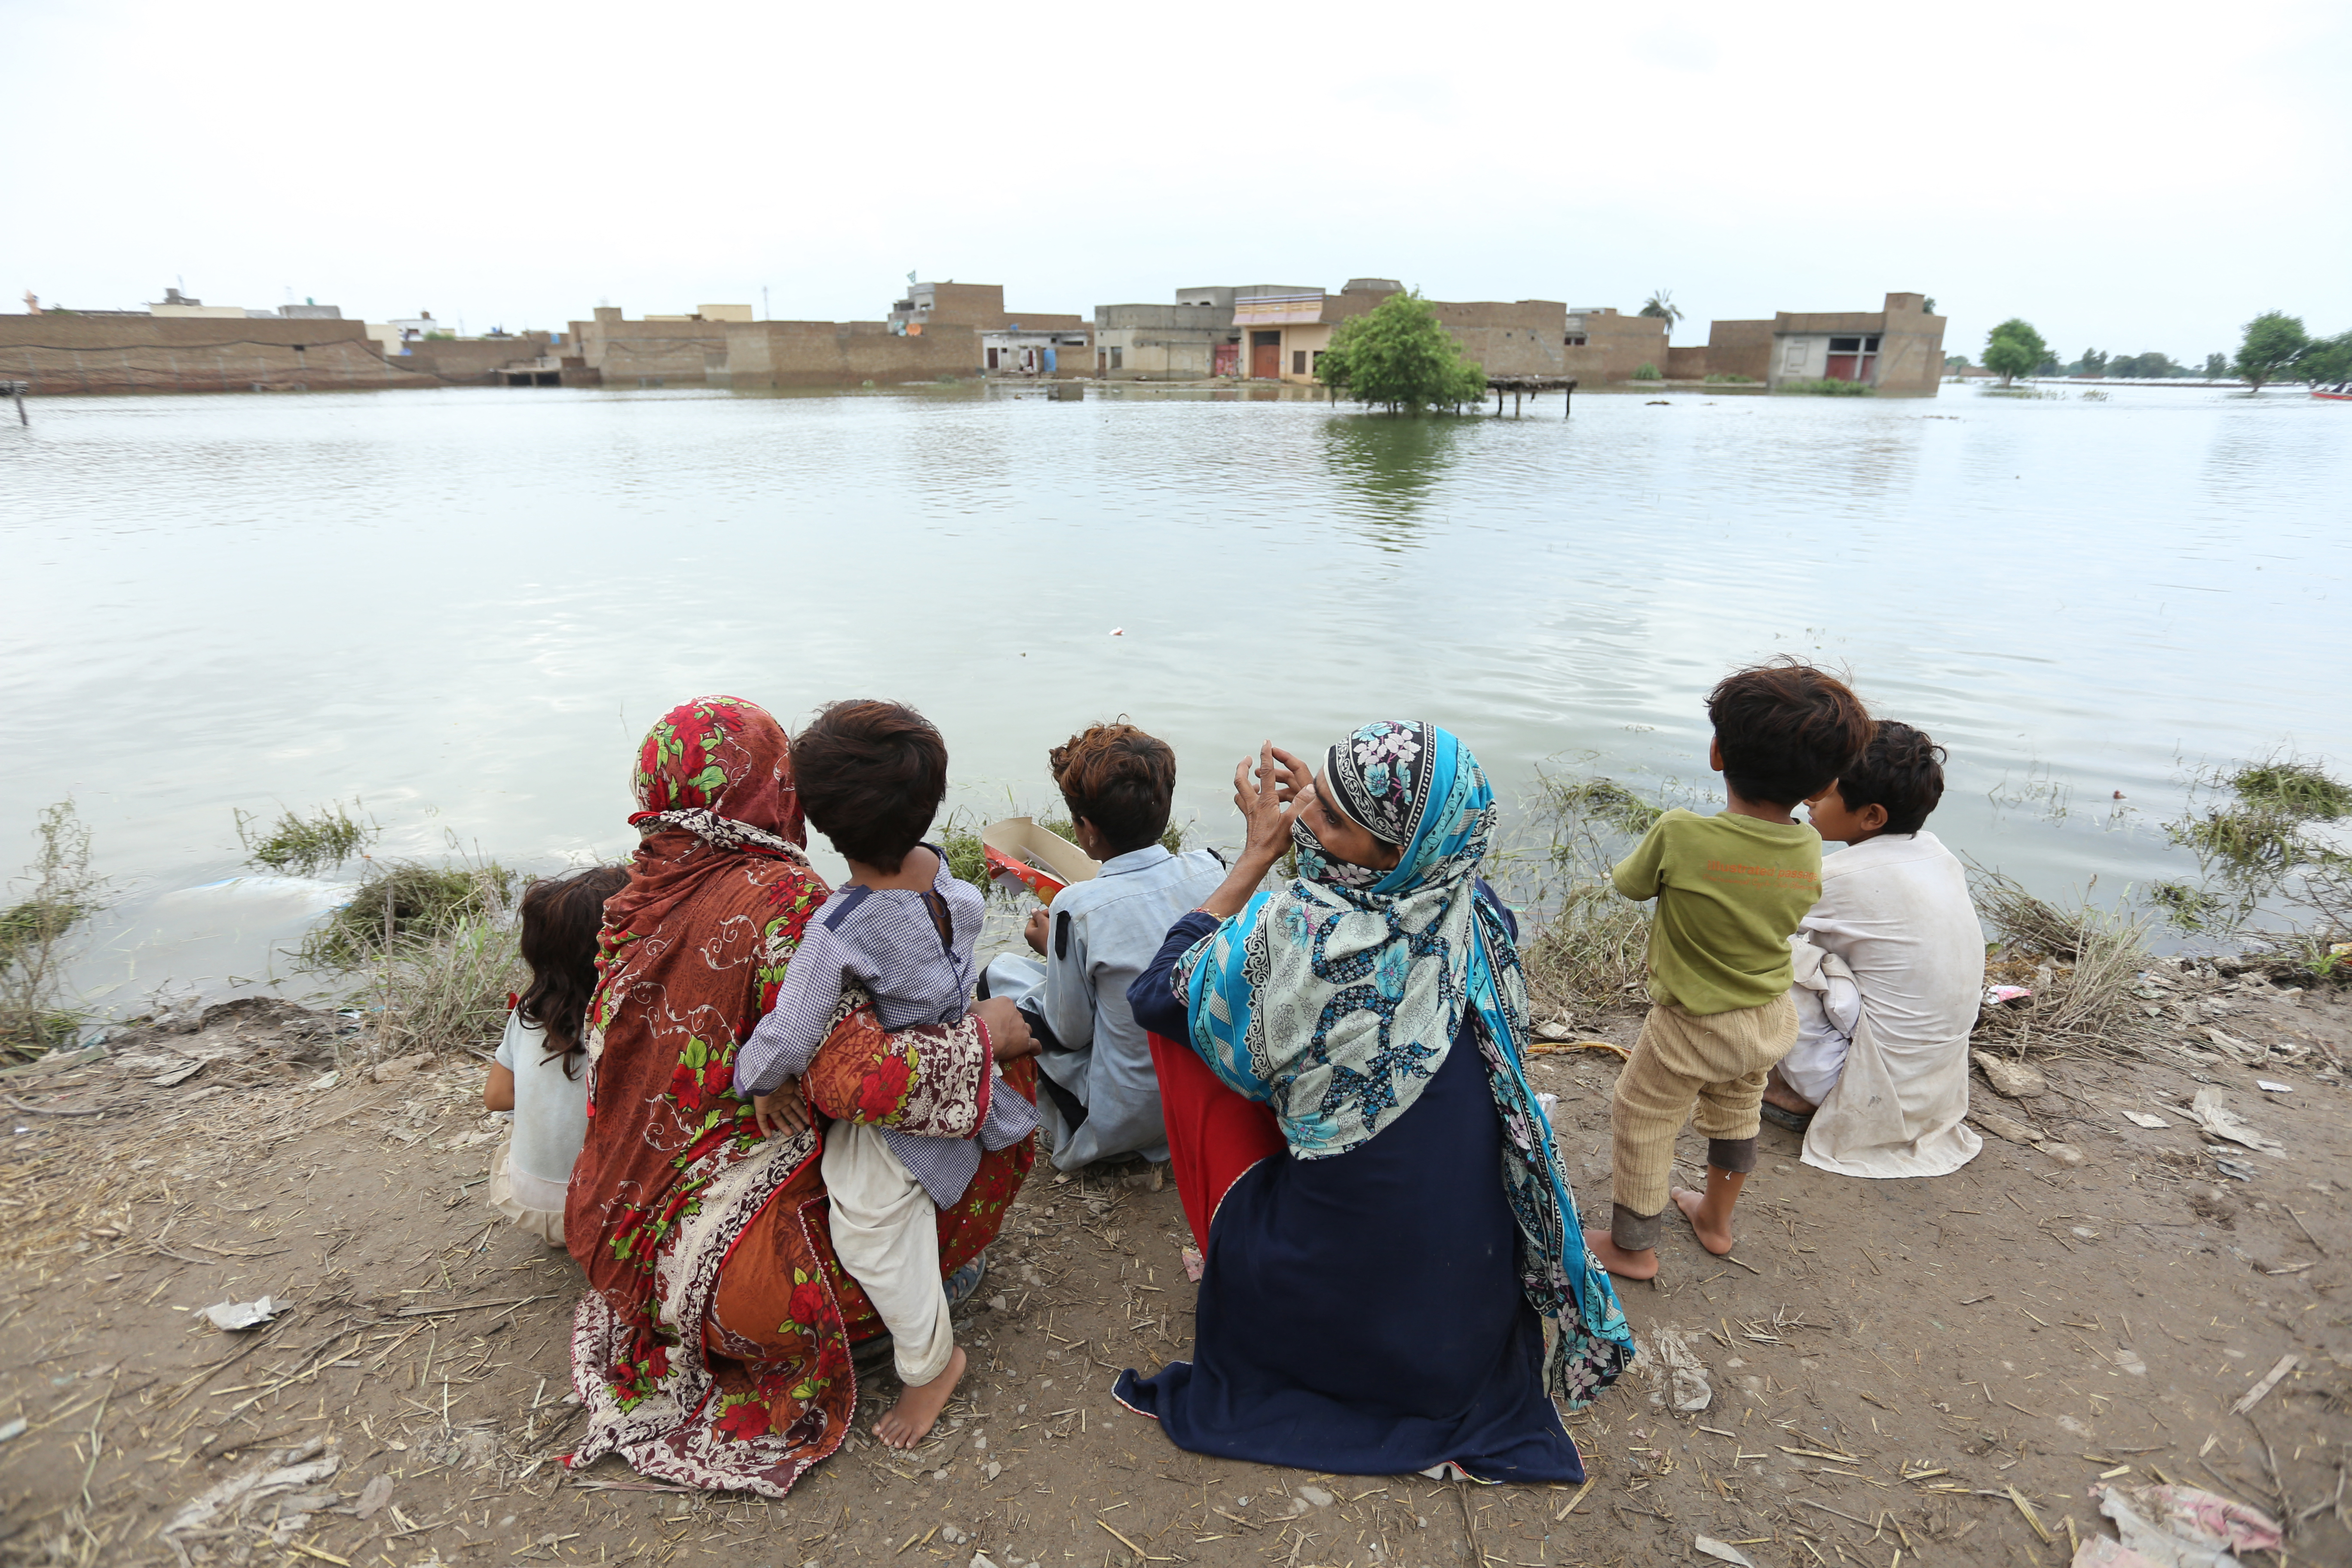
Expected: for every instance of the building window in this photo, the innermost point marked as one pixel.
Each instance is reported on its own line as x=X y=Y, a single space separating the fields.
x=1794 y=361
x=1118 y=359
x=1316 y=364
x=1852 y=359
x=1298 y=362
x=1574 y=340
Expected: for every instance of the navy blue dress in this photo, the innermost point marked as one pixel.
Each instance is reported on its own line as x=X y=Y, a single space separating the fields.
x=1362 y=1314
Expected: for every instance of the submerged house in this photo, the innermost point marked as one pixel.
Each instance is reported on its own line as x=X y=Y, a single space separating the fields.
x=1899 y=349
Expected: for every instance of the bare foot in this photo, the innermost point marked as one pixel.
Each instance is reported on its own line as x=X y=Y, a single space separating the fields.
x=1714 y=1234
x=1642 y=1265
x=909 y=1421
x=1778 y=1092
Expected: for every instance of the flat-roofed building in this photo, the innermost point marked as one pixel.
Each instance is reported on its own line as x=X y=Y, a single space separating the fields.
x=1897 y=349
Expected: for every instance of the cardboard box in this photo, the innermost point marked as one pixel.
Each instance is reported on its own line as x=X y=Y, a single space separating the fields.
x=1036 y=858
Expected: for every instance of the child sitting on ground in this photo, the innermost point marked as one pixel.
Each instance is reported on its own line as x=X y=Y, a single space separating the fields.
x=541 y=1072
x=871 y=776
x=1730 y=888
x=1101 y=1094
x=1906 y=984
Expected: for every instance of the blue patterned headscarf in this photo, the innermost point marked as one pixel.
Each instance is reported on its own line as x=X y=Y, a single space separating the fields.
x=1335 y=999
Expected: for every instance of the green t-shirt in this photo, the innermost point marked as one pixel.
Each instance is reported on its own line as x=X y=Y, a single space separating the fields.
x=1730 y=891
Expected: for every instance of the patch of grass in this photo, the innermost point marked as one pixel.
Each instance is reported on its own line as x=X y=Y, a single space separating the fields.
x=1826 y=387
x=2293 y=787
x=449 y=991
x=1647 y=372
x=1591 y=822
x=1595 y=949
x=59 y=893
x=968 y=856
x=2083 y=962
x=1720 y=378
x=407 y=902
x=2192 y=907
x=299 y=846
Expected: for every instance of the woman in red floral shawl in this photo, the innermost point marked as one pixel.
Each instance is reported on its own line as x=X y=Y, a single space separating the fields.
x=712 y=1347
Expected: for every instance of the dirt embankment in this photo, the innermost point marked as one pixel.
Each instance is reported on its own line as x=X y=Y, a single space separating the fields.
x=1882 y=1363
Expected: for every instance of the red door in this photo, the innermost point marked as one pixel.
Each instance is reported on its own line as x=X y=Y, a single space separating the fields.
x=1224 y=358
x=1265 y=356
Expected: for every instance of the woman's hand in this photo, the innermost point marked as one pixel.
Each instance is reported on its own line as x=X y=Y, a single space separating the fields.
x=1267 y=804
x=1008 y=1031
x=783 y=1111
x=1040 y=923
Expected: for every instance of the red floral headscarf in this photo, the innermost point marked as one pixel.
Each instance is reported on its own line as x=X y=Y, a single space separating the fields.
x=718 y=769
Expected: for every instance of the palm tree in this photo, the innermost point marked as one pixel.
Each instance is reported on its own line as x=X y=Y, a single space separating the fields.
x=1660 y=305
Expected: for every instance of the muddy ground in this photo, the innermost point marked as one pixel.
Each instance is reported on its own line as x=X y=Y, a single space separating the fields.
x=1884 y=1359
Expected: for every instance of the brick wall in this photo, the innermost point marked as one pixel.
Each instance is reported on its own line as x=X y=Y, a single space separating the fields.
x=764 y=354
x=61 y=353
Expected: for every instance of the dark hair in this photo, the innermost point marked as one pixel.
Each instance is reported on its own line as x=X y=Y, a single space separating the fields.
x=561 y=918
x=871 y=776
x=1786 y=730
x=1902 y=769
x=1119 y=779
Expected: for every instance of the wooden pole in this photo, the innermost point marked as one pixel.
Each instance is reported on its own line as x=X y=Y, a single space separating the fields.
x=1568 y=401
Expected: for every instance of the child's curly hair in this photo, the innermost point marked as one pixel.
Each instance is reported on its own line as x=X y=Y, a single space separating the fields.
x=561 y=917
x=1119 y=778
x=1902 y=769
x=1786 y=730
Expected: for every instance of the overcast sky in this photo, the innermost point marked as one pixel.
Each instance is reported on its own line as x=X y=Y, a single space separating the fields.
x=2129 y=176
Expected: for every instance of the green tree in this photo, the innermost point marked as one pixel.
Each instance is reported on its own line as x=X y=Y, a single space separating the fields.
x=2327 y=360
x=1398 y=356
x=2013 y=348
x=2274 y=339
x=1955 y=362
x=2092 y=363
x=2216 y=366
x=1661 y=306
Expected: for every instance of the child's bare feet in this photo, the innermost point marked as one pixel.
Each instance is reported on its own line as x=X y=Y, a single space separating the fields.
x=909 y=1421
x=1713 y=1233
x=1642 y=1265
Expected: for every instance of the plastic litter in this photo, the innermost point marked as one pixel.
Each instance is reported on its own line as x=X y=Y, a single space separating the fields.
x=2181 y=1526
x=2268 y=1087
x=2236 y=1170
x=2143 y=1118
x=1996 y=995
x=2220 y=1122
x=13 y=1429
x=1722 y=1551
x=373 y=1497
x=237 y=1315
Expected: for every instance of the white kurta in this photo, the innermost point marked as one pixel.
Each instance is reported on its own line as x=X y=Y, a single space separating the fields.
x=1894 y=912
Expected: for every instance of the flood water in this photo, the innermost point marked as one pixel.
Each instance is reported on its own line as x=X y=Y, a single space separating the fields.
x=466 y=606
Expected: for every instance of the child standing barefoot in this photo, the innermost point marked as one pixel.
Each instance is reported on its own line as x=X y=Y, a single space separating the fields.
x=871 y=776
x=1730 y=888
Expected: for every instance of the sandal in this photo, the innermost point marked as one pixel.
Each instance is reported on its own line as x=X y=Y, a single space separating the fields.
x=1780 y=1116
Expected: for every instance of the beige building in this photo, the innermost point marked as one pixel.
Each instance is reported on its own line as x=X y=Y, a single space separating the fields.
x=1604 y=345
x=1279 y=330
x=1897 y=349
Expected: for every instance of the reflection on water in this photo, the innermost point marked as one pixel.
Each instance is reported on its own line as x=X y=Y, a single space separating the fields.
x=465 y=606
x=1384 y=469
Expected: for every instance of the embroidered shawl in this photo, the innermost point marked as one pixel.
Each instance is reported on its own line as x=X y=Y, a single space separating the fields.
x=1335 y=998
x=712 y=1346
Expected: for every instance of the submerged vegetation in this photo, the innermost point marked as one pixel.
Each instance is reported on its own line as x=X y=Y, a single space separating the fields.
x=2251 y=827
x=57 y=893
x=436 y=945
x=1828 y=387
x=299 y=846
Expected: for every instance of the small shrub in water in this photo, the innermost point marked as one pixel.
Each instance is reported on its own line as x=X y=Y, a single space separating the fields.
x=2298 y=789
x=36 y=1013
x=302 y=846
x=1825 y=387
x=407 y=900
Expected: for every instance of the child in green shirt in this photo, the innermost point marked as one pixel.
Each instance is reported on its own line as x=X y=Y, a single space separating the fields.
x=1730 y=888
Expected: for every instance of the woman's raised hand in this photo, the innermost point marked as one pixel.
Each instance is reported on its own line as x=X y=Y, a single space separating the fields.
x=1269 y=803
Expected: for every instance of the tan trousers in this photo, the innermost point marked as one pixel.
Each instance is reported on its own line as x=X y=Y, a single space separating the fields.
x=886 y=1232
x=1715 y=1063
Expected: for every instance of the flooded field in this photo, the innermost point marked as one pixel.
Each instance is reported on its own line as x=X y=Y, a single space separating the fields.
x=464 y=607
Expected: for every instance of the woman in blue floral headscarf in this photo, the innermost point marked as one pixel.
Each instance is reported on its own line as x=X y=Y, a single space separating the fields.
x=1387 y=1228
